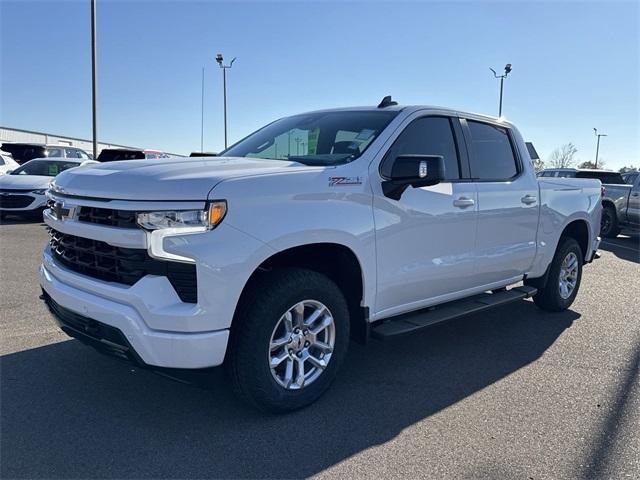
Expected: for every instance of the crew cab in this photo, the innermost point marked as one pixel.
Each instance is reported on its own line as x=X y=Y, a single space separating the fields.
x=370 y=222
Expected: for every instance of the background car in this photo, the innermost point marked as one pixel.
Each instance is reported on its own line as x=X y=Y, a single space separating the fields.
x=115 y=154
x=7 y=163
x=23 y=152
x=605 y=176
x=23 y=191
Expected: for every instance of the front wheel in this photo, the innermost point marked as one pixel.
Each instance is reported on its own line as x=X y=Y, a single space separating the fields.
x=288 y=340
x=565 y=274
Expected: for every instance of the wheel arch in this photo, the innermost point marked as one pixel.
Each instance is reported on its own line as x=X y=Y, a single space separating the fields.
x=335 y=260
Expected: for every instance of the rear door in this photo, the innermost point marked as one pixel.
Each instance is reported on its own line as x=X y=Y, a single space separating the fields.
x=507 y=202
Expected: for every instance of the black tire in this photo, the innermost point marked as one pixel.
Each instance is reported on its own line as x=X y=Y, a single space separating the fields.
x=273 y=294
x=609 y=223
x=549 y=297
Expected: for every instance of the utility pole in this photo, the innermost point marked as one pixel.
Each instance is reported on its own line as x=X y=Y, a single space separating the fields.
x=94 y=112
x=202 y=115
x=224 y=68
x=507 y=70
x=595 y=132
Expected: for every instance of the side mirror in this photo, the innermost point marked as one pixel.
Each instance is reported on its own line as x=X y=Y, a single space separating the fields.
x=414 y=171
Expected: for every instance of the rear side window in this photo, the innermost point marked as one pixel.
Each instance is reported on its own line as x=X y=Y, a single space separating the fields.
x=492 y=156
x=426 y=136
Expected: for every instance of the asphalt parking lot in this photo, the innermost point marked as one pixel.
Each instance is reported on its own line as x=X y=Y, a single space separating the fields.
x=514 y=393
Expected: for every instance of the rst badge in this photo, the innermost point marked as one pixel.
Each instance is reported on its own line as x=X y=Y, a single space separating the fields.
x=344 y=181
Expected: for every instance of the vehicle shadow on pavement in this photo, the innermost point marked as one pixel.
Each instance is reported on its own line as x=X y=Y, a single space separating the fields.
x=69 y=412
x=624 y=247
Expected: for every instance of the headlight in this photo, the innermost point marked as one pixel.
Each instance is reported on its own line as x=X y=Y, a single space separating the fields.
x=41 y=191
x=191 y=219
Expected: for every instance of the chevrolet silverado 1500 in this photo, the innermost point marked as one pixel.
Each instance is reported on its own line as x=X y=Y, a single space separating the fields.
x=318 y=228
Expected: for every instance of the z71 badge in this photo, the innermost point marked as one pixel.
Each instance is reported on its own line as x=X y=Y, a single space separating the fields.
x=342 y=181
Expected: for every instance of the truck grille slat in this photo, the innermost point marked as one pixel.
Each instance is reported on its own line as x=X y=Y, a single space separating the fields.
x=108 y=216
x=100 y=260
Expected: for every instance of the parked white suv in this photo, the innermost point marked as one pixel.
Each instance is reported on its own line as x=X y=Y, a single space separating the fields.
x=316 y=228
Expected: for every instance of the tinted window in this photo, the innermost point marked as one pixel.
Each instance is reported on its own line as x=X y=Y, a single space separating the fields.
x=492 y=156
x=72 y=153
x=45 y=168
x=426 y=136
x=604 y=177
x=54 y=152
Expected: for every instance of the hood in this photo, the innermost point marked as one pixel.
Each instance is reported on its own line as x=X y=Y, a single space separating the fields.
x=24 y=182
x=163 y=179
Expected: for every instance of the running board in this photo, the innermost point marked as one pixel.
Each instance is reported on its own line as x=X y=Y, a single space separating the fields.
x=410 y=322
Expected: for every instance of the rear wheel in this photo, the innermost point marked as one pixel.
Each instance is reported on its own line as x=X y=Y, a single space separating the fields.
x=565 y=274
x=288 y=339
x=609 y=223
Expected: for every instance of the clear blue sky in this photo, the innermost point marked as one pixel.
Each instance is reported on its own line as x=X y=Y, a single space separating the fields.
x=575 y=66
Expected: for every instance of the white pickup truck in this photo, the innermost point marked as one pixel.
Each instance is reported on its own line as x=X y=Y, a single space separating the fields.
x=318 y=228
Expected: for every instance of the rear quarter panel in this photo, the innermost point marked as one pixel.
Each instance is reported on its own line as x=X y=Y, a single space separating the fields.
x=562 y=201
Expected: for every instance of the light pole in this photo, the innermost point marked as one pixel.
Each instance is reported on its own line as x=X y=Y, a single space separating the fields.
x=224 y=68
x=507 y=70
x=94 y=113
x=595 y=132
x=202 y=115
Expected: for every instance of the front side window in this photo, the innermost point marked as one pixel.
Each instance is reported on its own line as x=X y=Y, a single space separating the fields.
x=426 y=136
x=322 y=138
x=491 y=156
x=44 y=168
x=54 y=152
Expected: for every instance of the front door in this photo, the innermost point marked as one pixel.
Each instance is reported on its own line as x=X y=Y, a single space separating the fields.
x=425 y=240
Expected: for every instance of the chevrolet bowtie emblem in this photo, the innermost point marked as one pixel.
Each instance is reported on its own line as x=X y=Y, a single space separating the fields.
x=61 y=211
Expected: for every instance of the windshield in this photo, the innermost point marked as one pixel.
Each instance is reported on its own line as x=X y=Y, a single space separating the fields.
x=323 y=138
x=44 y=168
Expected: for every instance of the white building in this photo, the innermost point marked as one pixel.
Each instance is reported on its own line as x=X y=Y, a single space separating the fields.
x=29 y=136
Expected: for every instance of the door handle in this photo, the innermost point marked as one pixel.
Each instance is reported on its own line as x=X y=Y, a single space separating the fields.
x=635 y=194
x=529 y=199
x=463 y=202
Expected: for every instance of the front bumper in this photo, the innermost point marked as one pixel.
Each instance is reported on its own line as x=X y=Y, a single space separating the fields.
x=160 y=348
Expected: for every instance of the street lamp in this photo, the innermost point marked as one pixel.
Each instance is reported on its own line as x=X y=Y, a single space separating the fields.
x=224 y=68
x=595 y=132
x=507 y=70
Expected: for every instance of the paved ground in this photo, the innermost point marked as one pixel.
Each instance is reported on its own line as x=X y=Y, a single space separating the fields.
x=516 y=393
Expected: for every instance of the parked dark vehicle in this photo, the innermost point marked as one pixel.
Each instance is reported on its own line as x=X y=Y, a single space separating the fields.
x=115 y=154
x=605 y=176
x=23 y=152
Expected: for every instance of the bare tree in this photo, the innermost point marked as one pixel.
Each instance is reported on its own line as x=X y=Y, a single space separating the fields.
x=562 y=157
x=590 y=164
x=630 y=168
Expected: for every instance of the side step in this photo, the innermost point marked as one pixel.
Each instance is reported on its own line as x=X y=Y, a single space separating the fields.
x=410 y=322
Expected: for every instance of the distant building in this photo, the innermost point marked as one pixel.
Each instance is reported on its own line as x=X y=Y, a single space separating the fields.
x=29 y=136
